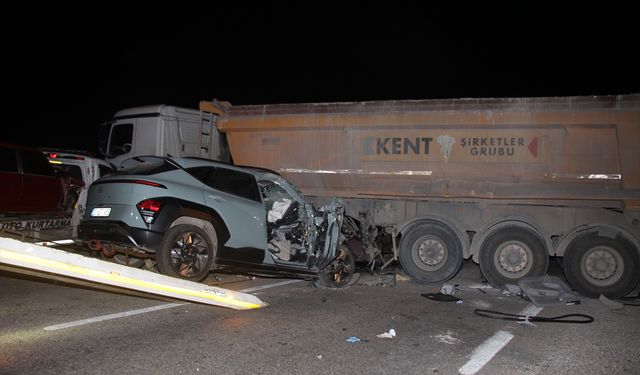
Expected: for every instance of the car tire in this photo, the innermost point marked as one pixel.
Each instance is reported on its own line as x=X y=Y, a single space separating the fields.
x=340 y=271
x=187 y=252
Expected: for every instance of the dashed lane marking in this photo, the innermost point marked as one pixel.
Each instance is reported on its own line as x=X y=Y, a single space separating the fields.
x=102 y=318
x=482 y=354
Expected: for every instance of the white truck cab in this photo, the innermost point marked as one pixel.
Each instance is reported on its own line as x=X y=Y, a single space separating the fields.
x=162 y=130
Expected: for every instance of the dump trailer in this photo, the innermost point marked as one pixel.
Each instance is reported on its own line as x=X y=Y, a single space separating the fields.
x=508 y=182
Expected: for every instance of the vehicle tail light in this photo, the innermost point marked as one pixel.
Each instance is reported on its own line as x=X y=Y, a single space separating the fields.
x=149 y=209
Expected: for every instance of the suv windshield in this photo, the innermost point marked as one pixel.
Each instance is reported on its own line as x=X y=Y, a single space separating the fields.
x=121 y=138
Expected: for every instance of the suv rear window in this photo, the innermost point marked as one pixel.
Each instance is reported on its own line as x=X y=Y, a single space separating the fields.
x=147 y=166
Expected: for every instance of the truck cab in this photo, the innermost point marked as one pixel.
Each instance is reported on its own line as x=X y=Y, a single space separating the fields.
x=164 y=131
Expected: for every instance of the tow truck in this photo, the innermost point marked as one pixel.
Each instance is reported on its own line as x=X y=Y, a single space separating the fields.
x=40 y=244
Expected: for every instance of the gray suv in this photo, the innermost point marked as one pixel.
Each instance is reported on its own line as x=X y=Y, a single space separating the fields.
x=194 y=215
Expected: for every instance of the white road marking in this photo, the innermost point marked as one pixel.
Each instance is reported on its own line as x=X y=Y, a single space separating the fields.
x=488 y=349
x=531 y=310
x=256 y=288
x=97 y=319
x=112 y=316
x=485 y=351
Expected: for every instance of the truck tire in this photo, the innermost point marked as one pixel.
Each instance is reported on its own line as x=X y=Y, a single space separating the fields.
x=595 y=265
x=430 y=252
x=340 y=271
x=510 y=254
x=186 y=252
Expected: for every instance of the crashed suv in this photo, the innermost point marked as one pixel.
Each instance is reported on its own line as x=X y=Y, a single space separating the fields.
x=194 y=215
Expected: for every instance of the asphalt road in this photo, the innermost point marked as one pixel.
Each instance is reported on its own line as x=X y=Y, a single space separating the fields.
x=306 y=330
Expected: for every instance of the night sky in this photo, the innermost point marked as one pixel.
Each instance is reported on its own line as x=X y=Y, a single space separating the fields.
x=71 y=67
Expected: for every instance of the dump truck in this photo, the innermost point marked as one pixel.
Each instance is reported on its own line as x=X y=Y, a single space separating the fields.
x=506 y=182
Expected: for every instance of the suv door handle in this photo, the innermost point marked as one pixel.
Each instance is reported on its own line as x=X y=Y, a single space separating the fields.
x=216 y=199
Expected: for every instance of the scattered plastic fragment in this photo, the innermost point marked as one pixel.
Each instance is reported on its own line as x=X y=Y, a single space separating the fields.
x=513 y=289
x=460 y=302
x=527 y=321
x=447 y=289
x=483 y=288
x=447 y=338
x=440 y=297
x=319 y=356
x=355 y=340
x=547 y=291
x=610 y=304
x=388 y=335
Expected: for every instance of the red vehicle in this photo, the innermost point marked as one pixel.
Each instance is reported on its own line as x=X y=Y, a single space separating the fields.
x=29 y=184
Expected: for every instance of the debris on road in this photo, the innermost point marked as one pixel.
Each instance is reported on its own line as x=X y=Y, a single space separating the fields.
x=527 y=319
x=377 y=279
x=355 y=340
x=483 y=288
x=448 y=289
x=610 y=304
x=387 y=335
x=446 y=338
x=547 y=291
x=441 y=297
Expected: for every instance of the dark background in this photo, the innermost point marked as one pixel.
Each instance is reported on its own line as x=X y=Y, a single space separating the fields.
x=70 y=67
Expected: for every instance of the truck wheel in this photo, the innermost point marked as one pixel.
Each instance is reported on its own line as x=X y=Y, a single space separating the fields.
x=595 y=265
x=510 y=254
x=340 y=271
x=430 y=252
x=186 y=252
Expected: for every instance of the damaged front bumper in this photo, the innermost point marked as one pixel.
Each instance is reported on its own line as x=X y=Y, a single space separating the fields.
x=329 y=237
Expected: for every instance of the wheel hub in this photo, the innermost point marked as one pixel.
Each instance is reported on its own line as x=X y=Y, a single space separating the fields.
x=431 y=252
x=513 y=257
x=188 y=254
x=601 y=265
